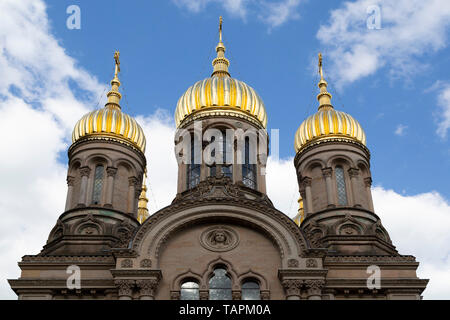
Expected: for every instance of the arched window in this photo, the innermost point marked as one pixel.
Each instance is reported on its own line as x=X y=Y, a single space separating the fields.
x=189 y=290
x=248 y=168
x=340 y=183
x=250 y=290
x=98 y=184
x=226 y=168
x=193 y=169
x=220 y=285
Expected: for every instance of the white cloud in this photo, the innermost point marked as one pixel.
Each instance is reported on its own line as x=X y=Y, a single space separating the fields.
x=234 y=7
x=38 y=110
x=162 y=168
x=409 y=29
x=277 y=13
x=443 y=115
x=274 y=14
x=400 y=130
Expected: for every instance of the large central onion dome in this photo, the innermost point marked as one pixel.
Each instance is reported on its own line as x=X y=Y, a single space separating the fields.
x=110 y=123
x=327 y=123
x=220 y=95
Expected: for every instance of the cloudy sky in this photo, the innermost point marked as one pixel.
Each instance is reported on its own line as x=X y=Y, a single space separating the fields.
x=393 y=79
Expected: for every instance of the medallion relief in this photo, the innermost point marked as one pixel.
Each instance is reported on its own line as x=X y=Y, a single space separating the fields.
x=219 y=238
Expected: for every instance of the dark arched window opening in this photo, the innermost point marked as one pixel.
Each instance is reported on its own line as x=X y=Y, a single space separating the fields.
x=189 y=290
x=225 y=168
x=193 y=169
x=250 y=290
x=341 y=189
x=220 y=285
x=248 y=169
x=98 y=184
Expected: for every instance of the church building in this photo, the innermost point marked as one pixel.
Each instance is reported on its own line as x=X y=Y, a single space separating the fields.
x=221 y=237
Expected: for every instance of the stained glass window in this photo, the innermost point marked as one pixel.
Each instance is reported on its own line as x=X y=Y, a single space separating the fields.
x=341 y=189
x=248 y=169
x=250 y=290
x=98 y=184
x=189 y=291
x=220 y=285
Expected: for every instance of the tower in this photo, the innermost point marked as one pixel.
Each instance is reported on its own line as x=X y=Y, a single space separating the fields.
x=333 y=170
x=230 y=117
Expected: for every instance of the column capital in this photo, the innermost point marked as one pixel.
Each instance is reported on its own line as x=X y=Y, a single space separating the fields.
x=353 y=172
x=306 y=182
x=111 y=171
x=314 y=286
x=368 y=181
x=327 y=172
x=132 y=181
x=85 y=171
x=147 y=287
x=70 y=181
x=125 y=287
x=292 y=286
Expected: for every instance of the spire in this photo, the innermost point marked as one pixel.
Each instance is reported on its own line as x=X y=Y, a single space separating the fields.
x=300 y=214
x=114 y=95
x=220 y=63
x=142 y=204
x=324 y=96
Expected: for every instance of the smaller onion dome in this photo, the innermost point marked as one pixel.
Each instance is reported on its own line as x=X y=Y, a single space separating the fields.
x=110 y=122
x=327 y=123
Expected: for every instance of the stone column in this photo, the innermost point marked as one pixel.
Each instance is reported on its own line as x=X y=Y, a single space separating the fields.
x=132 y=182
x=125 y=287
x=147 y=288
x=354 y=173
x=292 y=288
x=368 y=184
x=329 y=184
x=111 y=173
x=204 y=295
x=84 y=172
x=70 y=182
x=306 y=182
x=236 y=295
x=261 y=173
x=314 y=289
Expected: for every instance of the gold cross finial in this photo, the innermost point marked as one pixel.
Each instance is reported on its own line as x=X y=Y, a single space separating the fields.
x=220 y=28
x=116 y=58
x=320 y=66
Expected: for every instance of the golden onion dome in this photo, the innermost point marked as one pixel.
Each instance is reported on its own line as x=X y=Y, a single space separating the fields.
x=110 y=122
x=221 y=95
x=327 y=123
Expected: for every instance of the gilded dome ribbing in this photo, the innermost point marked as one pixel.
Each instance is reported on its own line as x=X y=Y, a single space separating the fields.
x=221 y=95
x=327 y=123
x=110 y=122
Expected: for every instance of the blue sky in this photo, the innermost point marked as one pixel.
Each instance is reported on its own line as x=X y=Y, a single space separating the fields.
x=393 y=80
x=165 y=48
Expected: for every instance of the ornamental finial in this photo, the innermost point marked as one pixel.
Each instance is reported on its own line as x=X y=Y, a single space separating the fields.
x=324 y=96
x=116 y=59
x=220 y=63
x=220 y=28
x=114 y=95
x=320 y=66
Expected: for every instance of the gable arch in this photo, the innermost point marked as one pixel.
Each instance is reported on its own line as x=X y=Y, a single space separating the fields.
x=150 y=240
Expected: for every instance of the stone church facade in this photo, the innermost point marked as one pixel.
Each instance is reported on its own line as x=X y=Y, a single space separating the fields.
x=221 y=237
